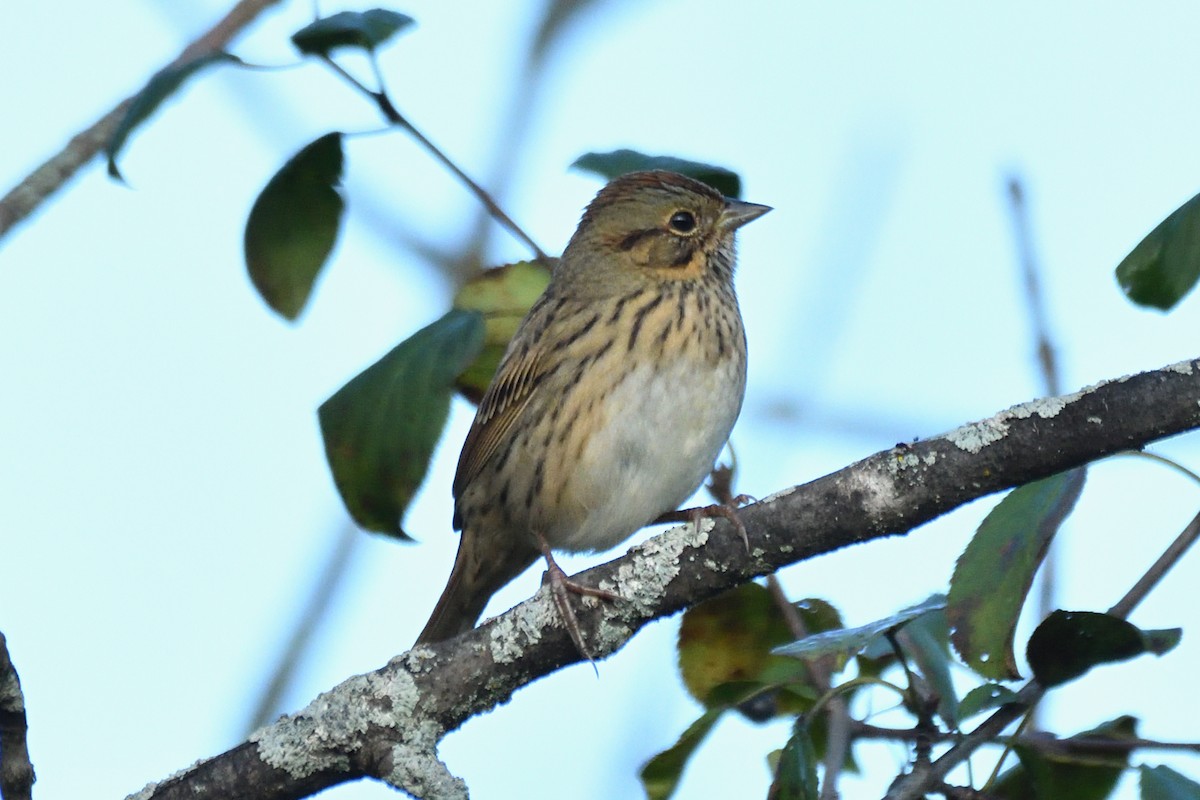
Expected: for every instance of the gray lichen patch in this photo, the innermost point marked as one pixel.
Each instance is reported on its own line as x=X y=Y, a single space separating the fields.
x=978 y=435
x=516 y=630
x=150 y=789
x=908 y=459
x=417 y=771
x=320 y=736
x=645 y=577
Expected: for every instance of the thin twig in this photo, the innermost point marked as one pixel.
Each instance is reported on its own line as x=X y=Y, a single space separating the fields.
x=1175 y=465
x=1025 y=723
x=393 y=115
x=1038 y=740
x=16 y=770
x=40 y=184
x=1048 y=361
x=1034 y=297
x=330 y=581
x=916 y=784
x=1158 y=570
x=837 y=742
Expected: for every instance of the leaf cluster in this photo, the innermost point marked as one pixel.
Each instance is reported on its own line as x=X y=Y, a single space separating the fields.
x=734 y=654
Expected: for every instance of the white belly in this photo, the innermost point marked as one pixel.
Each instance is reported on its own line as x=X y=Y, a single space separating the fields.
x=663 y=433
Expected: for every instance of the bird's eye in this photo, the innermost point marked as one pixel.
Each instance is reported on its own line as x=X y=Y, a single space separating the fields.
x=682 y=222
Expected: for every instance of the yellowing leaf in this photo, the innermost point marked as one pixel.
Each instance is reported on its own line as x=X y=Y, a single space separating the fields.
x=502 y=296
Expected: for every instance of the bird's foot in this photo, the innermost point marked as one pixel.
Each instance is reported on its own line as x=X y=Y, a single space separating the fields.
x=728 y=510
x=560 y=586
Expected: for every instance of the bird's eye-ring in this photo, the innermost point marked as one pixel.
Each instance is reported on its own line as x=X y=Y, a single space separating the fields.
x=682 y=222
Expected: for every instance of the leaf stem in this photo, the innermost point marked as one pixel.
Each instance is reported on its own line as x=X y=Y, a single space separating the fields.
x=393 y=115
x=1008 y=748
x=842 y=688
x=1175 y=465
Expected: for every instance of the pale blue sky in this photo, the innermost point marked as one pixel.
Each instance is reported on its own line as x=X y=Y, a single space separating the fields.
x=163 y=492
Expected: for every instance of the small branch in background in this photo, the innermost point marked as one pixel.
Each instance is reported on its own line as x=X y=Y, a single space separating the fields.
x=16 y=770
x=1046 y=353
x=510 y=135
x=40 y=184
x=1047 y=359
x=393 y=115
x=321 y=595
x=820 y=671
x=837 y=744
x=1158 y=569
x=1044 y=742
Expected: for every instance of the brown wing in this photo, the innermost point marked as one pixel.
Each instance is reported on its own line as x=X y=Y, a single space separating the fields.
x=503 y=402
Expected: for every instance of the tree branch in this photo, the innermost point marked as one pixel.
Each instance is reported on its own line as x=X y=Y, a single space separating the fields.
x=16 y=770
x=37 y=187
x=387 y=724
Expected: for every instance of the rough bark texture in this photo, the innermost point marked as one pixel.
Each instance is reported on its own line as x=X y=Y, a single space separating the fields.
x=387 y=724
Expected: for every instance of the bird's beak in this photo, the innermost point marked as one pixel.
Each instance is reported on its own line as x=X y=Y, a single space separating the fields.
x=737 y=213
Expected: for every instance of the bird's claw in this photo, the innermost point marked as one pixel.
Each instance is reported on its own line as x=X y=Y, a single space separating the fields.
x=728 y=510
x=560 y=585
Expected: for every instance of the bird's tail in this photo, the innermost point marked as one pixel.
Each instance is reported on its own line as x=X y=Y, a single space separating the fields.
x=480 y=570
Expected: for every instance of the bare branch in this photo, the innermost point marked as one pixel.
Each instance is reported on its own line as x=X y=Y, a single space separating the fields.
x=387 y=724
x=37 y=187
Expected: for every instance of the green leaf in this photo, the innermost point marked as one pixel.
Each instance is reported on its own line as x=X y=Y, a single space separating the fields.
x=502 y=296
x=161 y=85
x=380 y=429
x=796 y=773
x=1165 y=265
x=661 y=774
x=849 y=641
x=994 y=573
x=619 y=162
x=984 y=698
x=365 y=29
x=1069 y=643
x=1164 y=783
x=294 y=224
x=1071 y=771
